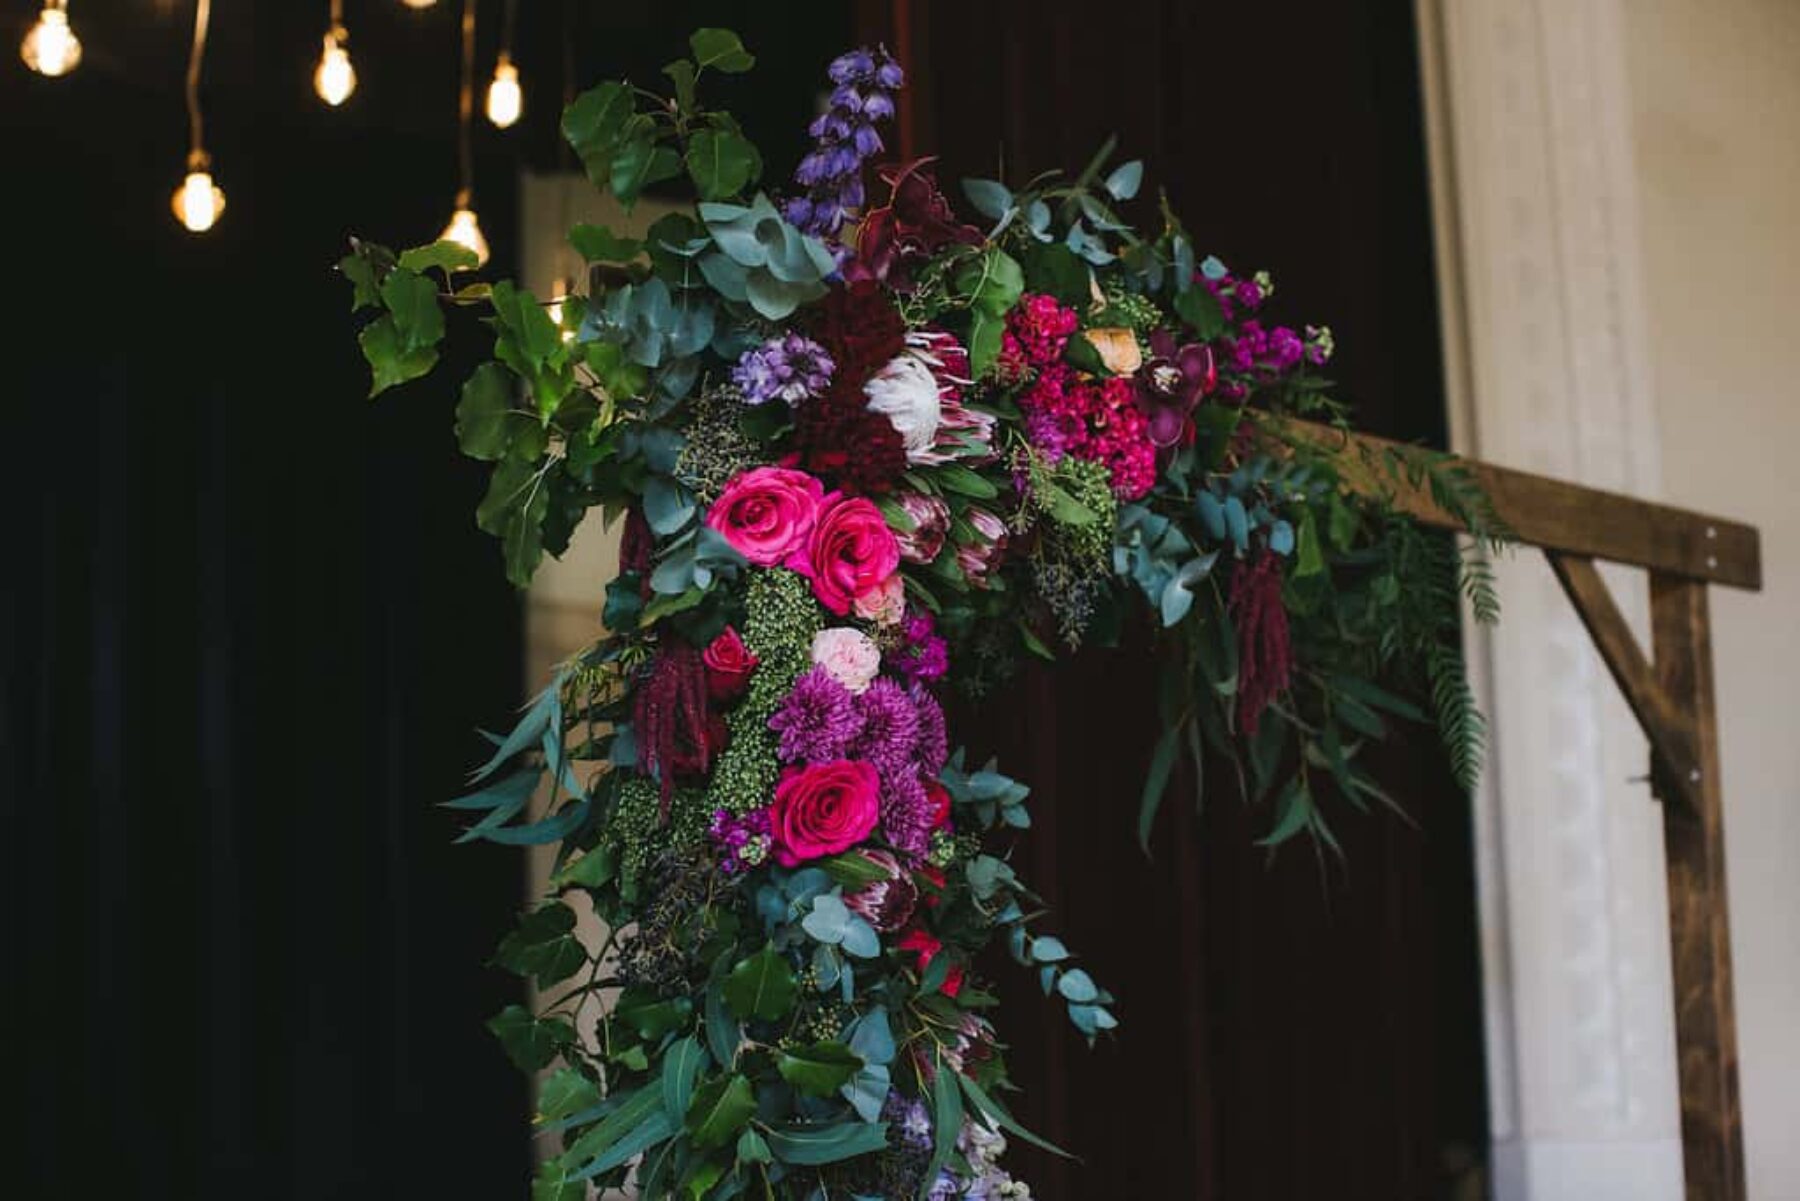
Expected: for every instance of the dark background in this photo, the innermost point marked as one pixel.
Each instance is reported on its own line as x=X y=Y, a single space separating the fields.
x=253 y=624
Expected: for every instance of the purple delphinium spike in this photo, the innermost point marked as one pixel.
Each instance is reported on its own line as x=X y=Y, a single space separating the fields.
x=844 y=138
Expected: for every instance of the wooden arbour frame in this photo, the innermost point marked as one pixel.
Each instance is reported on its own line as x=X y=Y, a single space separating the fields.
x=1670 y=691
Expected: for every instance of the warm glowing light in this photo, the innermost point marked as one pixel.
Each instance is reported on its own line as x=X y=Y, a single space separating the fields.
x=198 y=202
x=418 y=3
x=335 y=78
x=51 y=48
x=559 y=292
x=465 y=230
x=504 y=99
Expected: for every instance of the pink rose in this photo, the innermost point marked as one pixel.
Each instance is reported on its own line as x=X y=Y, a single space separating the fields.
x=885 y=904
x=886 y=605
x=979 y=558
x=728 y=666
x=767 y=513
x=848 y=656
x=851 y=552
x=823 y=809
x=931 y=522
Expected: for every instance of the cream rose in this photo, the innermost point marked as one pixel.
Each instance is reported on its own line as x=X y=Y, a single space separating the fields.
x=848 y=656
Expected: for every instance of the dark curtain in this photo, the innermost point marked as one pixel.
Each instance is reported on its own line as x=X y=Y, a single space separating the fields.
x=1300 y=1028
x=250 y=629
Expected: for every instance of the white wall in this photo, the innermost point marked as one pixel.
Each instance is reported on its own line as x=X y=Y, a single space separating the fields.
x=1715 y=115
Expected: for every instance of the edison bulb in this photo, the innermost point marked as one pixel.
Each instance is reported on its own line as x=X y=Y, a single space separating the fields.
x=504 y=99
x=418 y=3
x=198 y=202
x=559 y=293
x=465 y=230
x=335 y=78
x=51 y=48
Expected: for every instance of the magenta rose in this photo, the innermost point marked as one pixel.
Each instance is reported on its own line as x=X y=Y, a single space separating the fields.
x=728 y=665
x=767 y=513
x=823 y=809
x=851 y=553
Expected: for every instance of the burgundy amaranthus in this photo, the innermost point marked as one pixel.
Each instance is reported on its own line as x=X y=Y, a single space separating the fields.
x=1265 y=654
x=670 y=720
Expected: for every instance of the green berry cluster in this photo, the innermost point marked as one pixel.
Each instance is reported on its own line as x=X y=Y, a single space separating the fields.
x=637 y=830
x=780 y=619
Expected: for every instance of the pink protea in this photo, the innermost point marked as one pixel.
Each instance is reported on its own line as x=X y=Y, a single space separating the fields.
x=886 y=904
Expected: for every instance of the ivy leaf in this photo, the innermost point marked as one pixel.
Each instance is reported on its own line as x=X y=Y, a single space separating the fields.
x=719 y=1110
x=443 y=255
x=597 y=244
x=720 y=162
x=682 y=73
x=513 y=511
x=543 y=946
x=820 y=1069
x=530 y=1042
x=720 y=49
x=811 y=1145
x=650 y=1016
x=485 y=412
x=391 y=362
x=761 y=986
x=594 y=123
x=564 y=1092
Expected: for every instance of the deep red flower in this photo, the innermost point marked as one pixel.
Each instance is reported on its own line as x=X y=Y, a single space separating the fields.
x=728 y=665
x=1265 y=653
x=914 y=225
x=861 y=330
x=1171 y=383
x=927 y=946
x=840 y=439
x=674 y=731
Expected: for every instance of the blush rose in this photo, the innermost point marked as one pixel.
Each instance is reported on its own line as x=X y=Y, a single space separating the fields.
x=848 y=656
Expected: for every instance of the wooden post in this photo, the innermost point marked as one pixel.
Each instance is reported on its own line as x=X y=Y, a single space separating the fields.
x=1699 y=932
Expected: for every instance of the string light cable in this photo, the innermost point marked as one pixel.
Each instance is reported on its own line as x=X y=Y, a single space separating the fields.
x=464 y=228
x=198 y=202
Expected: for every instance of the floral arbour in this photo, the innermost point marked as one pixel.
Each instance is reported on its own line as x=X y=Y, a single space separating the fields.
x=862 y=452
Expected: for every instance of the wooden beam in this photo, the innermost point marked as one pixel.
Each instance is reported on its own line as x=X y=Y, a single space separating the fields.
x=1566 y=517
x=1699 y=927
x=1669 y=727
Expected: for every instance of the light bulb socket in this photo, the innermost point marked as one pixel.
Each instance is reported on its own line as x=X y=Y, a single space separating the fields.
x=199 y=160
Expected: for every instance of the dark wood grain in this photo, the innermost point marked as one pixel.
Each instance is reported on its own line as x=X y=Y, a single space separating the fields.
x=1567 y=517
x=1699 y=927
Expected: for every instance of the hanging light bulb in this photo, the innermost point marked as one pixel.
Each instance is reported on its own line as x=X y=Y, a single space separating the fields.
x=465 y=230
x=418 y=3
x=335 y=78
x=51 y=48
x=505 y=101
x=198 y=202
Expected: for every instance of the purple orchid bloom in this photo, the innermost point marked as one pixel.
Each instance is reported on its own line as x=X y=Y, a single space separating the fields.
x=1172 y=382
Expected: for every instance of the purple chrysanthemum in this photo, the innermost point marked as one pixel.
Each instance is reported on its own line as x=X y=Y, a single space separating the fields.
x=906 y=812
x=791 y=368
x=817 y=721
x=890 y=734
x=844 y=137
x=933 y=747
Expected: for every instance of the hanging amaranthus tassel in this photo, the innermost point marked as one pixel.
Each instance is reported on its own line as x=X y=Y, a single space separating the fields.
x=1265 y=655
x=670 y=718
x=637 y=543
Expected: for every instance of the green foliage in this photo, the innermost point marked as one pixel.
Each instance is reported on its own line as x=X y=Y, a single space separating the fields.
x=761 y=986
